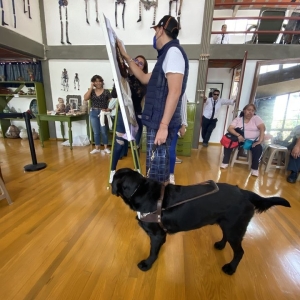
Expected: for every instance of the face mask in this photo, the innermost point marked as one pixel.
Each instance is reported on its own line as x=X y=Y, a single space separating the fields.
x=154 y=42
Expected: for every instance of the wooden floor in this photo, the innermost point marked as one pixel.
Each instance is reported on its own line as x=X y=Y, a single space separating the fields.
x=67 y=237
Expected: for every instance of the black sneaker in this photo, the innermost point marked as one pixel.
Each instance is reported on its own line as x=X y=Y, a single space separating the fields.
x=292 y=178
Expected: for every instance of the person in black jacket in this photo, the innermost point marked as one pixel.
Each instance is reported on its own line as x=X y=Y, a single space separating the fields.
x=138 y=91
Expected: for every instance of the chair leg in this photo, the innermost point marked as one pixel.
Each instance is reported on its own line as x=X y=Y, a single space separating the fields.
x=234 y=156
x=5 y=194
x=270 y=160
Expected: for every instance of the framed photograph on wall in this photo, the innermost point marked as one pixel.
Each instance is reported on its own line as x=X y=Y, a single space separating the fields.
x=73 y=101
x=211 y=86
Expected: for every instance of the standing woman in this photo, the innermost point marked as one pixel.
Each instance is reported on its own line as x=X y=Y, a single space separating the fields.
x=254 y=130
x=100 y=98
x=138 y=91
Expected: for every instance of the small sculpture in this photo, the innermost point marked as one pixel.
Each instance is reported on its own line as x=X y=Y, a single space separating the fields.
x=2 y=78
x=12 y=132
x=35 y=135
x=60 y=107
x=23 y=134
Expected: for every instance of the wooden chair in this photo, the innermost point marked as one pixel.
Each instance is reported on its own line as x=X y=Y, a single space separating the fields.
x=275 y=156
x=4 y=193
x=238 y=159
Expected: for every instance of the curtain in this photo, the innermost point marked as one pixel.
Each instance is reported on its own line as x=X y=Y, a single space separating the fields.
x=12 y=71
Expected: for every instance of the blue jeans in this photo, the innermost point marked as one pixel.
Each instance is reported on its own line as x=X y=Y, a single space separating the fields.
x=173 y=152
x=97 y=129
x=121 y=145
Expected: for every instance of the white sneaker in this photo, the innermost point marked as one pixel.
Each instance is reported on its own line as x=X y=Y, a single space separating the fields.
x=111 y=176
x=224 y=166
x=254 y=172
x=106 y=150
x=172 y=179
x=95 y=151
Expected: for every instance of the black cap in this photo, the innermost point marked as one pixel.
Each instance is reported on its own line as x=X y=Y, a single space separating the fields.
x=169 y=23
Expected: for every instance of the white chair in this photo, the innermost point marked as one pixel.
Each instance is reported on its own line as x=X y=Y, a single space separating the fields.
x=275 y=156
x=238 y=159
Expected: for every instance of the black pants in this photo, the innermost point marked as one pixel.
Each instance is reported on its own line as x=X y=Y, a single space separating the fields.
x=256 y=156
x=294 y=164
x=207 y=128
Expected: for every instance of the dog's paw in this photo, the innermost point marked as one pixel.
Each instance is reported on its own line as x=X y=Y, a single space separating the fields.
x=228 y=269
x=219 y=245
x=143 y=265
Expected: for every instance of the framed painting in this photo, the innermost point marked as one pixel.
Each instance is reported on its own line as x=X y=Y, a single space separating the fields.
x=73 y=101
x=211 y=86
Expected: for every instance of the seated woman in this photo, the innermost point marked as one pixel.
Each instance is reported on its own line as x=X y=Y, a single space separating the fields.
x=138 y=91
x=294 y=162
x=254 y=129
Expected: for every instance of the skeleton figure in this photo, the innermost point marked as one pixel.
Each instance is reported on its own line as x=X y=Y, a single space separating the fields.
x=65 y=80
x=178 y=12
x=64 y=4
x=86 y=11
x=1 y=5
x=76 y=82
x=147 y=5
x=116 y=12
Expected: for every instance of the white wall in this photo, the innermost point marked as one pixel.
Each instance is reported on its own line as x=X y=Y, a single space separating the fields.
x=86 y=69
x=80 y=33
x=31 y=28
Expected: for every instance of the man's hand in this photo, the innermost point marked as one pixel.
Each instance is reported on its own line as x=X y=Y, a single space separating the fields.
x=296 y=151
x=161 y=135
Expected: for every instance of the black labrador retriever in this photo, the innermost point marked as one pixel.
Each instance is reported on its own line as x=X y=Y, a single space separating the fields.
x=230 y=207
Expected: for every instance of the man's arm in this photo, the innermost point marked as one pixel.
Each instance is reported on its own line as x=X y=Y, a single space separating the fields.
x=174 y=84
x=227 y=102
x=137 y=72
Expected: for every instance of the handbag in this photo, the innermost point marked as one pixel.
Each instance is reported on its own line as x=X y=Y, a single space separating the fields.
x=247 y=144
x=229 y=140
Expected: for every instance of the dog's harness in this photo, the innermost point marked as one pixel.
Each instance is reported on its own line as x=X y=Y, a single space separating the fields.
x=156 y=216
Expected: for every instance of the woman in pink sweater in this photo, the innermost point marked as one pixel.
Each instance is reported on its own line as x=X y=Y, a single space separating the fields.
x=254 y=129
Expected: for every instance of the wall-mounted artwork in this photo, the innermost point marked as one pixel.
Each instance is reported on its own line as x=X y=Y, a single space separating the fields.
x=64 y=80
x=87 y=10
x=64 y=4
x=147 y=5
x=211 y=86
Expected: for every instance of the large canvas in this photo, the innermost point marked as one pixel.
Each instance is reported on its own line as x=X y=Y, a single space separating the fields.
x=121 y=84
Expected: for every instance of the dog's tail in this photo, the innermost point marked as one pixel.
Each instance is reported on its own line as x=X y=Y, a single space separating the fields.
x=262 y=204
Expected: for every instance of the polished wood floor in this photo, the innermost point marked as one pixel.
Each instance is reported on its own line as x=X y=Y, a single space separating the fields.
x=66 y=237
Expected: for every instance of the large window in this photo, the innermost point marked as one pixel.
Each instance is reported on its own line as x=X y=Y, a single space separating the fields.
x=281 y=114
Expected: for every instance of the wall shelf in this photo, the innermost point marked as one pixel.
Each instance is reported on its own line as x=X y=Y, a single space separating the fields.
x=39 y=96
